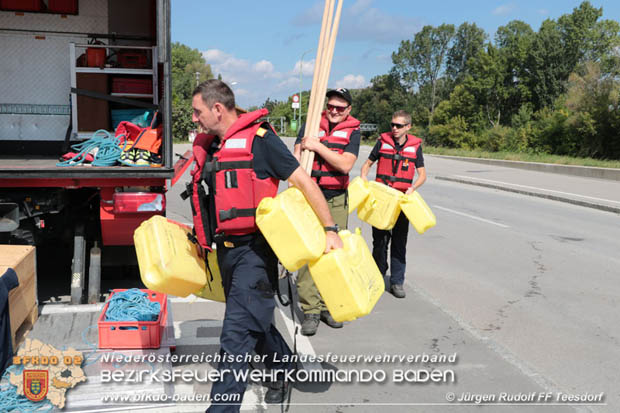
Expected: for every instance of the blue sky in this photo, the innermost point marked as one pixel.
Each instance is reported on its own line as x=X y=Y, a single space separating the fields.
x=257 y=46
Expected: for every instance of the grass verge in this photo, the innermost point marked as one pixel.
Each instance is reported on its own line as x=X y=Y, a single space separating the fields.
x=524 y=157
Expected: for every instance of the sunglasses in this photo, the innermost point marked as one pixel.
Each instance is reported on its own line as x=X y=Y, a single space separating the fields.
x=398 y=125
x=339 y=109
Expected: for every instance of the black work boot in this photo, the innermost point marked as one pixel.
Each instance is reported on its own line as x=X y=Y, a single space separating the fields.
x=310 y=324
x=327 y=318
x=397 y=290
x=277 y=392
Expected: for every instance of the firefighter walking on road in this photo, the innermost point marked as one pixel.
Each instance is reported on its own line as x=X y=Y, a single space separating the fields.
x=241 y=160
x=336 y=150
x=399 y=155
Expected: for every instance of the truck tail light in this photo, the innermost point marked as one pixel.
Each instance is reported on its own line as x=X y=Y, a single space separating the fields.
x=132 y=202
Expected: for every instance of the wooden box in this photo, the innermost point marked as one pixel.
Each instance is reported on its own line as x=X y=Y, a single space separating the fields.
x=23 y=306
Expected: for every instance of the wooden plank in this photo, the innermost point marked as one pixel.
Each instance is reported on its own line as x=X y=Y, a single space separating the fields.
x=23 y=299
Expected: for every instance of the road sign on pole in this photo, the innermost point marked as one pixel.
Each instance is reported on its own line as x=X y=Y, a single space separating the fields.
x=295 y=104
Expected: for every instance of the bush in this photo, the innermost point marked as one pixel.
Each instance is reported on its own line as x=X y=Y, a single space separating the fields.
x=453 y=134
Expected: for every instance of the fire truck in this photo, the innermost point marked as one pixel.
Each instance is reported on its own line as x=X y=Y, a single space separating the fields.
x=71 y=71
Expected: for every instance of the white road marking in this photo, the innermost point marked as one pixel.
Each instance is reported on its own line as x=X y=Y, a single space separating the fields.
x=185 y=333
x=537 y=188
x=303 y=343
x=189 y=299
x=69 y=308
x=471 y=216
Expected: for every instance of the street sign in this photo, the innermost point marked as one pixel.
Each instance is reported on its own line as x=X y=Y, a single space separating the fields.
x=295 y=105
x=295 y=98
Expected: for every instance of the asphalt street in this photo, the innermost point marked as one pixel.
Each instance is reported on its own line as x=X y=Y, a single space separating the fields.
x=518 y=292
x=523 y=289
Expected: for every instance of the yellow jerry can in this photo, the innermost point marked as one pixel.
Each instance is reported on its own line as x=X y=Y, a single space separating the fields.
x=291 y=228
x=417 y=212
x=358 y=191
x=213 y=289
x=348 y=278
x=169 y=262
x=382 y=206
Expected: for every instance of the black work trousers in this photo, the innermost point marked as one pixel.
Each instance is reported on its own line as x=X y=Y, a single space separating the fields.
x=249 y=273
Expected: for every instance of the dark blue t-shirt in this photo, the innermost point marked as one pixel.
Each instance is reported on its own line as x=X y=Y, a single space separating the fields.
x=272 y=158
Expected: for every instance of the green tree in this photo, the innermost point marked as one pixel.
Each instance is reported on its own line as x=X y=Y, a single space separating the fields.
x=422 y=61
x=578 y=35
x=377 y=103
x=514 y=42
x=468 y=41
x=185 y=62
x=563 y=47
x=487 y=84
x=547 y=64
x=592 y=99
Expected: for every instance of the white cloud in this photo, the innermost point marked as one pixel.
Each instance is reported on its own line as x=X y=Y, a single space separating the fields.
x=352 y=82
x=255 y=81
x=234 y=69
x=543 y=12
x=362 y=22
x=310 y=16
x=307 y=68
x=266 y=69
x=289 y=83
x=504 y=9
x=360 y=6
x=223 y=62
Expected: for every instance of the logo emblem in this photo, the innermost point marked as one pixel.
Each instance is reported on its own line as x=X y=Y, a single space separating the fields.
x=36 y=384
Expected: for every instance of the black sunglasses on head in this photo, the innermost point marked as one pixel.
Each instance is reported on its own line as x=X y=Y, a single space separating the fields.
x=338 y=109
x=398 y=125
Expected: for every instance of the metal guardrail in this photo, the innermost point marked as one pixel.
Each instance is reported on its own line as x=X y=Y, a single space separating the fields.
x=368 y=127
x=31 y=109
x=280 y=119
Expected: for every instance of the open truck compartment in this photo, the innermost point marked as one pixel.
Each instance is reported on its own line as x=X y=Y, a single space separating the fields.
x=68 y=73
x=65 y=74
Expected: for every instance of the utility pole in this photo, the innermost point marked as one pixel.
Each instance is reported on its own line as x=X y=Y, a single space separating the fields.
x=301 y=63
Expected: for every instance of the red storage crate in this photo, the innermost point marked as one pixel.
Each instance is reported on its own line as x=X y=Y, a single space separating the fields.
x=133 y=334
x=22 y=5
x=133 y=59
x=132 y=85
x=63 y=6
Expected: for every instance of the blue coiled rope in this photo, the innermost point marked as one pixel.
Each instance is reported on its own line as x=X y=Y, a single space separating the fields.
x=10 y=401
x=108 y=150
x=132 y=305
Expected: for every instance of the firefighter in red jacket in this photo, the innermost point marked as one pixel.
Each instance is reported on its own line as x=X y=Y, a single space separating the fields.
x=399 y=155
x=243 y=161
x=336 y=150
